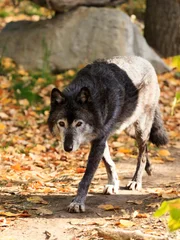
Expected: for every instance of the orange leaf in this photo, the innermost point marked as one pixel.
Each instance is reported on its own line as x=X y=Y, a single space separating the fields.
x=80 y=170
x=16 y=167
x=124 y=150
x=141 y=215
x=163 y=152
x=24 y=214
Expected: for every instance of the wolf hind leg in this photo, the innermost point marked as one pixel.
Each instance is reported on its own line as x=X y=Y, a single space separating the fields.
x=113 y=183
x=130 y=131
x=142 y=131
x=148 y=167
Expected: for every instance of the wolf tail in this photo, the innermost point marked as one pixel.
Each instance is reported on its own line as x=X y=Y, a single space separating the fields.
x=158 y=134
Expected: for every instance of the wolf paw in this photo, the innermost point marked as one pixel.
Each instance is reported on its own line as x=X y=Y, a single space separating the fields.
x=76 y=207
x=134 y=185
x=111 y=188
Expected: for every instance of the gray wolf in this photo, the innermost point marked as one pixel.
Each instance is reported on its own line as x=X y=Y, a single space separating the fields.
x=121 y=93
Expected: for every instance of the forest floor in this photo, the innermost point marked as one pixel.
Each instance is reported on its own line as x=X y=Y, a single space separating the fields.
x=47 y=217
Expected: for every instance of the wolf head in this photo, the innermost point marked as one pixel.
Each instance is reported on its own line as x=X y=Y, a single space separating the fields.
x=70 y=118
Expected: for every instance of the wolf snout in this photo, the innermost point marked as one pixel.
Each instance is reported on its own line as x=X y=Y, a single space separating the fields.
x=68 y=143
x=68 y=148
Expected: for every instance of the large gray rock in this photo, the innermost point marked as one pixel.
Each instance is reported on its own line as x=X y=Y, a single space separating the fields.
x=64 y=5
x=75 y=38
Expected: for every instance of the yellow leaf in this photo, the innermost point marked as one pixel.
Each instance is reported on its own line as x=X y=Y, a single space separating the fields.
x=40 y=81
x=163 y=152
x=71 y=73
x=2 y=127
x=7 y=63
x=39 y=148
x=22 y=72
x=157 y=160
x=126 y=223
x=9 y=214
x=108 y=207
x=37 y=199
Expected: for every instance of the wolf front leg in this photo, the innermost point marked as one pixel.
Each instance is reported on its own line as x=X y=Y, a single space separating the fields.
x=113 y=183
x=96 y=153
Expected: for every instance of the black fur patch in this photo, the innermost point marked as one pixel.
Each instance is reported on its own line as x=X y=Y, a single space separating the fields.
x=158 y=135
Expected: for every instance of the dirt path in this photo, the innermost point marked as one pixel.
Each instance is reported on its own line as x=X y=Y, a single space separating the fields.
x=61 y=225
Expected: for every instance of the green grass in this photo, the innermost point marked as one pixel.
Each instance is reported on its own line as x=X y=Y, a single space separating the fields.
x=4 y=13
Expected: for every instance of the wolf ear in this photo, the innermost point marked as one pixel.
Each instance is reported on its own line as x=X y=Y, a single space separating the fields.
x=57 y=96
x=84 y=95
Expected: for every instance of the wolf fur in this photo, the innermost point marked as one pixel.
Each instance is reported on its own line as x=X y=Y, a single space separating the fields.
x=119 y=94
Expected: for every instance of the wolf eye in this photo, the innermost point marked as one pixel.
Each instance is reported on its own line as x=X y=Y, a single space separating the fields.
x=78 y=124
x=61 y=124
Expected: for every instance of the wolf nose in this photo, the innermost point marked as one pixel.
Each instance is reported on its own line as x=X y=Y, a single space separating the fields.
x=68 y=148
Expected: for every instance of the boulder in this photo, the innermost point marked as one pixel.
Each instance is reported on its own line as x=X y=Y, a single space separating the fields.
x=75 y=38
x=64 y=5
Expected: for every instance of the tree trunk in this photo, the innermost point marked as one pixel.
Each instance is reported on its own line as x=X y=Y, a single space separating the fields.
x=64 y=5
x=162 y=26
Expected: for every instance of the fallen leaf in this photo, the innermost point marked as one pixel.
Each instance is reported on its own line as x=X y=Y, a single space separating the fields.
x=71 y=73
x=157 y=160
x=24 y=214
x=142 y=215
x=170 y=159
x=44 y=211
x=2 y=127
x=124 y=150
x=108 y=207
x=75 y=222
x=16 y=167
x=168 y=195
x=26 y=167
x=137 y=202
x=7 y=63
x=22 y=72
x=4 y=116
x=9 y=214
x=164 y=153
x=37 y=199
x=136 y=214
x=125 y=223
x=80 y=170
x=39 y=148
x=153 y=205
x=24 y=102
